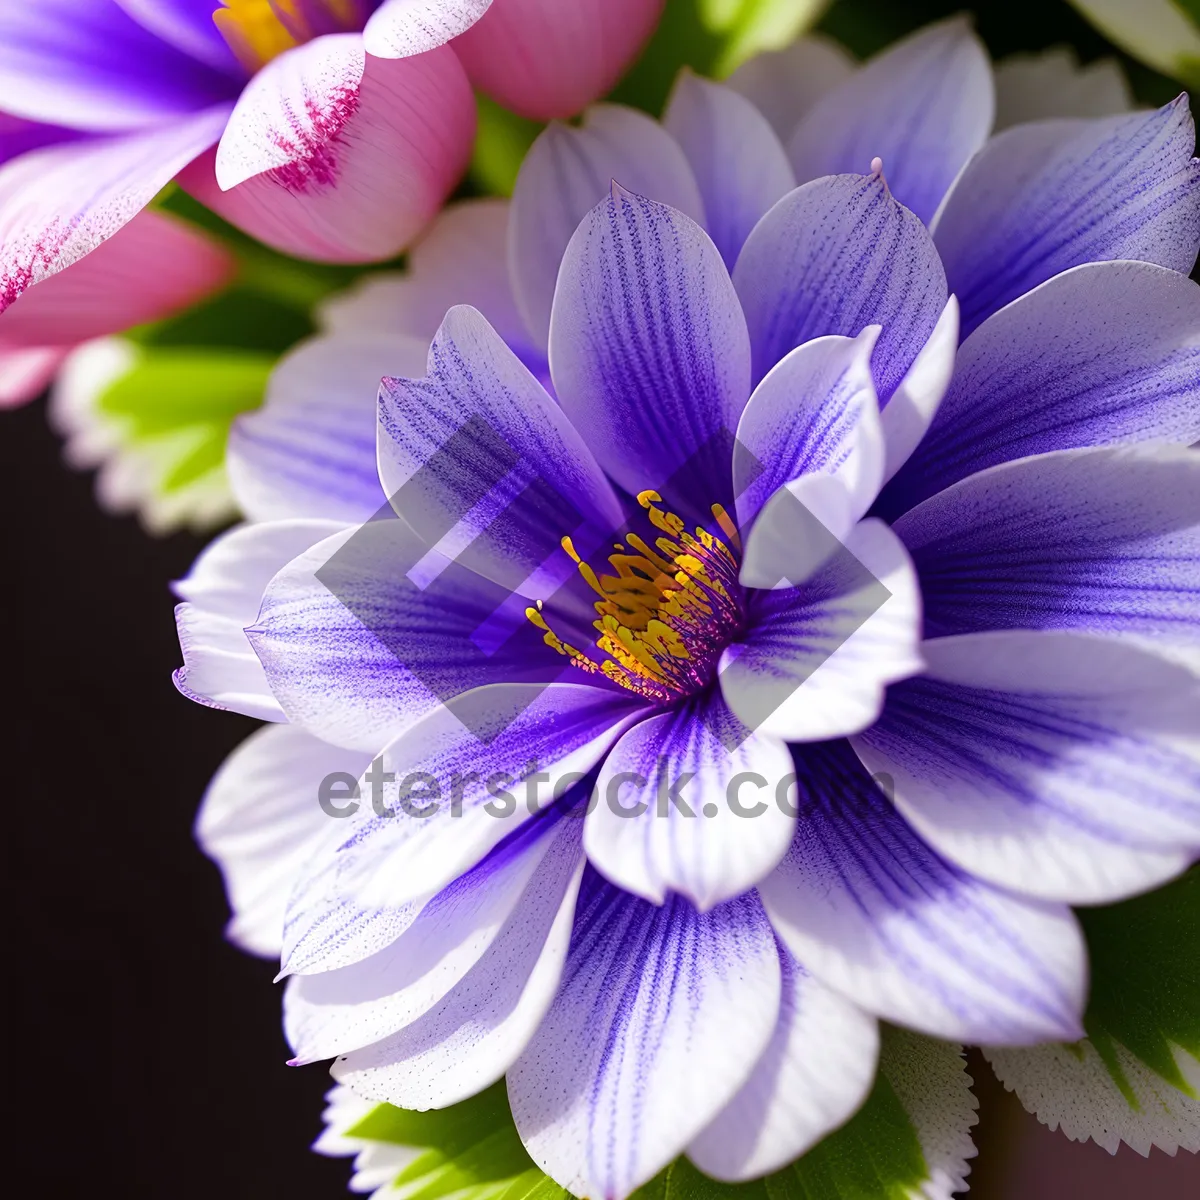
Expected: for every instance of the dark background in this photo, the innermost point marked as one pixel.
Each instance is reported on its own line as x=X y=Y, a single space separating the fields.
x=148 y=1053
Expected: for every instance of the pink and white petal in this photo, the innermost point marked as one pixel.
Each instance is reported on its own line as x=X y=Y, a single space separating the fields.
x=816 y=1071
x=474 y=1035
x=260 y=821
x=330 y=1012
x=662 y=1013
x=878 y=916
x=150 y=268
x=324 y=166
x=1055 y=764
x=26 y=372
x=368 y=882
x=924 y=106
x=913 y=405
x=816 y=660
x=814 y=413
x=59 y=203
x=567 y=172
x=785 y=84
x=222 y=594
x=685 y=802
x=1033 y=87
x=310 y=450
x=401 y=28
x=737 y=160
x=546 y=59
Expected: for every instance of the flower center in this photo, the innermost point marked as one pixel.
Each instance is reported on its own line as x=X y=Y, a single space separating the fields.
x=259 y=30
x=669 y=611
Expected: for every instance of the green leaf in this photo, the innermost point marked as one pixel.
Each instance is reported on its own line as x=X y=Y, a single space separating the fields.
x=500 y=146
x=755 y=26
x=1145 y=964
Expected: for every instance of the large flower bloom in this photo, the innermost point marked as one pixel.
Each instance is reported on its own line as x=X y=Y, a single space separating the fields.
x=331 y=129
x=962 y=765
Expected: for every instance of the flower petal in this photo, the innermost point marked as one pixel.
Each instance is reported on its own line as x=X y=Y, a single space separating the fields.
x=1103 y=353
x=835 y=256
x=478 y=1030
x=567 y=172
x=401 y=28
x=310 y=450
x=815 y=659
x=648 y=349
x=739 y=165
x=685 y=803
x=874 y=913
x=1101 y=540
x=222 y=594
x=1043 y=197
x=662 y=1013
x=814 y=413
x=546 y=59
x=785 y=84
x=478 y=448
x=260 y=821
x=480 y=752
x=323 y=166
x=1032 y=87
x=187 y=25
x=1057 y=765
x=26 y=372
x=149 y=269
x=59 y=203
x=87 y=65
x=924 y=107
x=816 y=1071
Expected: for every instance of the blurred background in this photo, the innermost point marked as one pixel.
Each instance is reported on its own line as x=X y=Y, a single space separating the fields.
x=149 y=1056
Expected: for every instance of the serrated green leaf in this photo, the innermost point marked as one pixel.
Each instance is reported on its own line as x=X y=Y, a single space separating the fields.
x=1145 y=964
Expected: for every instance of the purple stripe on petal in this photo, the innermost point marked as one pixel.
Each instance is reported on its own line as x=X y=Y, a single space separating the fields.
x=835 y=256
x=1043 y=197
x=661 y=1015
x=187 y=25
x=877 y=915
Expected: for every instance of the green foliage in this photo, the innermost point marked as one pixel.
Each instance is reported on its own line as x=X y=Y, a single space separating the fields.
x=500 y=146
x=1145 y=963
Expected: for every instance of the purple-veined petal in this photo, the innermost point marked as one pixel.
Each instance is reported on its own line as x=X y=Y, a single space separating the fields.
x=877 y=915
x=221 y=596
x=815 y=658
x=401 y=28
x=685 y=803
x=478 y=449
x=260 y=821
x=1059 y=765
x=817 y=1069
x=835 y=256
x=472 y=1037
x=445 y=793
x=739 y=165
x=648 y=350
x=814 y=413
x=322 y=166
x=1043 y=197
x=567 y=172
x=310 y=450
x=662 y=1013
x=18 y=136
x=1034 y=87
x=923 y=106
x=87 y=65
x=329 y=1012
x=187 y=25
x=1106 y=352
x=1103 y=540
x=59 y=203
x=915 y=402
x=785 y=84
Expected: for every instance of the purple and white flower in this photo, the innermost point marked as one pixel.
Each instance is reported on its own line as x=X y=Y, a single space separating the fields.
x=1018 y=735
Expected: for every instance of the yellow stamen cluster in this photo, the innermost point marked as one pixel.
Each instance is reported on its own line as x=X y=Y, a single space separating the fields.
x=664 y=616
x=260 y=30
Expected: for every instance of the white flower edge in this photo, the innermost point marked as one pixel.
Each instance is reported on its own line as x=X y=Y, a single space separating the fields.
x=376 y=1164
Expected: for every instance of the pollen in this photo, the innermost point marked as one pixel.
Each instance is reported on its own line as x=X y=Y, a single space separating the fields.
x=260 y=30
x=666 y=612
